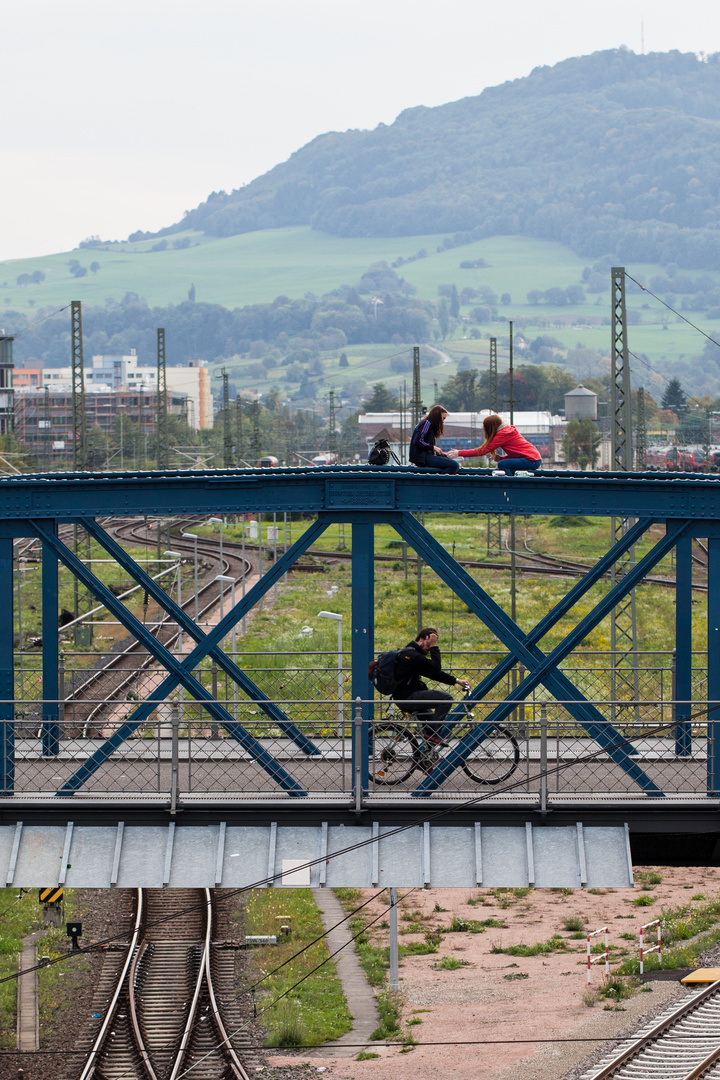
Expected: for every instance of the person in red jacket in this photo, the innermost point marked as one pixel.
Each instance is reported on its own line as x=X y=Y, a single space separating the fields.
x=519 y=453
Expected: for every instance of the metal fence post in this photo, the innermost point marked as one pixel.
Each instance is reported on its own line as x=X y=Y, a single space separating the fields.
x=61 y=690
x=214 y=730
x=358 y=756
x=174 y=756
x=543 y=757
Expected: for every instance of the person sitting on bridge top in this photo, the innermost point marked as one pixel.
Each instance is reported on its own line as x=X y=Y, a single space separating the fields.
x=420 y=659
x=423 y=451
x=521 y=454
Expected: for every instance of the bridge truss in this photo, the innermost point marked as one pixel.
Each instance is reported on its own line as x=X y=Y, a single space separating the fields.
x=679 y=508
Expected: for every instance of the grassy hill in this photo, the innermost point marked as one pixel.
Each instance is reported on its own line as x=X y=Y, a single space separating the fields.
x=613 y=154
x=259 y=266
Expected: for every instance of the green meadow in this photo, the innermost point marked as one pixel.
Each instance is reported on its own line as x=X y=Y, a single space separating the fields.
x=256 y=267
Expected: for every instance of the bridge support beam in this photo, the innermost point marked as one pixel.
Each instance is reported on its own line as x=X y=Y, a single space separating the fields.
x=7 y=674
x=51 y=654
x=682 y=690
x=363 y=631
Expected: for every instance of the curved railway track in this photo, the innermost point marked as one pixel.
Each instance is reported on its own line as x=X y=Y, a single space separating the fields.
x=683 y=1044
x=86 y=702
x=170 y=1006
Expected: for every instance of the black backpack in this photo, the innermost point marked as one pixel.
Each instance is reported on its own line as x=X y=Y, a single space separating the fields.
x=381 y=453
x=383 y=673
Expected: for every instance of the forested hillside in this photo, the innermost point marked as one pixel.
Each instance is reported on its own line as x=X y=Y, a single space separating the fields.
x=613 y=154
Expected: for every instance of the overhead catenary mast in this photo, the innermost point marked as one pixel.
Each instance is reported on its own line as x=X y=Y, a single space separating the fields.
x=79 y=415
x=163 y=454
x=623 y=621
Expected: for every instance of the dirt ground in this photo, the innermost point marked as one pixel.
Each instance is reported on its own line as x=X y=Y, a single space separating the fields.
x=504 y=999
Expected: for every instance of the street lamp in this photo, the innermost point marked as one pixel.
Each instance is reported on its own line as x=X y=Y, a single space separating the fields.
x=221 y=523
x=338 y=619
x=194 y=537
x=177 y=555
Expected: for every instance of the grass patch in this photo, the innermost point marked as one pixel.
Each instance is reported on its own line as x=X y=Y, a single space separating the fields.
x=573 y=922
x=517 y=975
x=644 y=901
x=648 y=878
x=18 y=917
x=540 y=948
x=450 y=963
x=366 y=1055
x=469 y=926
x=316 y=1010
x=389 y=1011
x=678 y=925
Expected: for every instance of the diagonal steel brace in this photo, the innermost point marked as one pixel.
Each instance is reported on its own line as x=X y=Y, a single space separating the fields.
x=675 y=531
x=509 y=633
x=188 y=624
x=180 y=672
x=595 y=574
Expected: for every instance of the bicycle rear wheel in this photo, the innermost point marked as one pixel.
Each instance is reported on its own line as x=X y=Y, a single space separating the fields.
x=495 y=759
x=394 y=754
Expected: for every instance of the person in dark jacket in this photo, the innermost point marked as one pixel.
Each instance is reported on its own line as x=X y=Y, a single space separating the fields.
x=420 y=659
x=423 y=451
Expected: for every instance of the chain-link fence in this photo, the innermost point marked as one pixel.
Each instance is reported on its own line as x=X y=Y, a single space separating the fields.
x=235 y=750
x=288 y=729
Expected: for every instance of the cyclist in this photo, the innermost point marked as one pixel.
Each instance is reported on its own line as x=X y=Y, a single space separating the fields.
x=420 y=659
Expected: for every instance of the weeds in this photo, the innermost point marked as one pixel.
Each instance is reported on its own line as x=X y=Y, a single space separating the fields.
x=540 y=948
x=450 y=963
x=644 y=900
x=573 y=922
x=649 y=878
x=389 y=1011
x=366 y=1055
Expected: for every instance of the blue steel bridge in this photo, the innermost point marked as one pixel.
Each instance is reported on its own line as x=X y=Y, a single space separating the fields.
x=249 y=759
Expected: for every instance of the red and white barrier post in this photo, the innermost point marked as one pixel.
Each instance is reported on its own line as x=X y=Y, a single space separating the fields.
x=594 y=959
x=651 y=948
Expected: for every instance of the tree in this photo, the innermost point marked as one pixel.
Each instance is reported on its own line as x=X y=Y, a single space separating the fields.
x=94 y=266
x=463 y=392
x=191 y=294
x=581 y=442
x=444 y=318
x=344 y=362
x=506 y=299
x=454 y=302
x=382 y=399
x=674 y=397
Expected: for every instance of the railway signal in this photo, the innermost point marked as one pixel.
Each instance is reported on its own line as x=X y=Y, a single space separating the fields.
x=74 y=931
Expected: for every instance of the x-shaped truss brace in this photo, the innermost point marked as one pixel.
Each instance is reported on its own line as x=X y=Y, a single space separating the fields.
x=541 y=668
x=180 y=672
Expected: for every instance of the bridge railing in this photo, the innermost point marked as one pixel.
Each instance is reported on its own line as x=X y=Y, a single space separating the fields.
x=540 y=750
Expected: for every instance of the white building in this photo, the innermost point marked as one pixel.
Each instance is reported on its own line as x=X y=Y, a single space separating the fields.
x=114 y=372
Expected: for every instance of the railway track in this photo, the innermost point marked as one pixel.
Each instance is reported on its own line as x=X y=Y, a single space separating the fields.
x=167 y=1006
x=89 y=699
x=682 y=1044
x=122 y=667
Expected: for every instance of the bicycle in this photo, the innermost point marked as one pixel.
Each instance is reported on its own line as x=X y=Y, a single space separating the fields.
x=398 y=750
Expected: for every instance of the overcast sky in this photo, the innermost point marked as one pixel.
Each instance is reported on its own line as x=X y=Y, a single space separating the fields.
x=121 y=116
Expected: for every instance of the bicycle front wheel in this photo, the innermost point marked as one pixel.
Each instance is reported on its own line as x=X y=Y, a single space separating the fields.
x=495 y=759
x=394 y=754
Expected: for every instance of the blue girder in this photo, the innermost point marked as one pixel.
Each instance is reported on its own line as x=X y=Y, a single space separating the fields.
x=180 y=672
x=688 y=505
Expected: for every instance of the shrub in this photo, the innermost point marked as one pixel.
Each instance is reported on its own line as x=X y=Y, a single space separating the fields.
x=573 y=922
